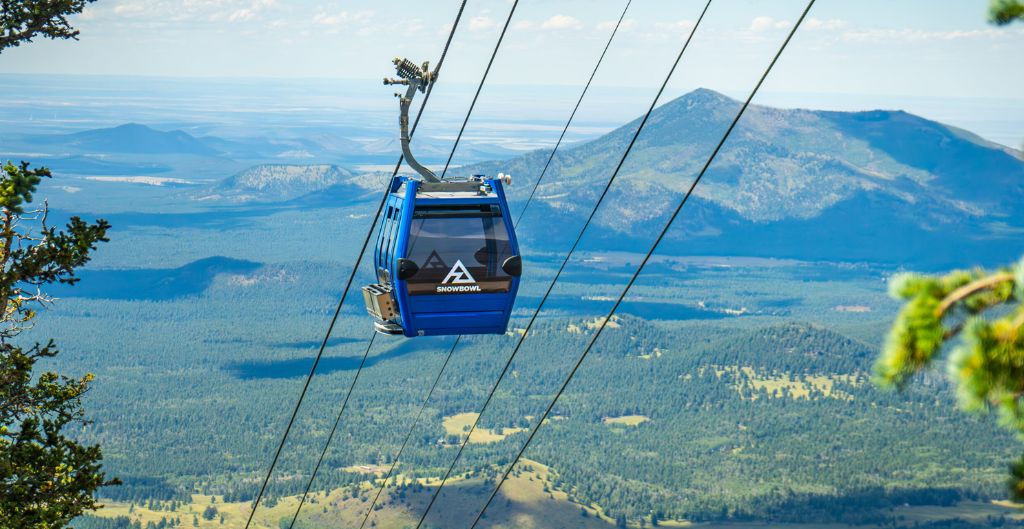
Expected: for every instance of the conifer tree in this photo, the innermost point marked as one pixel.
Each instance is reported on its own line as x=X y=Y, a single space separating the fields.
x=986 y=363
x=46 y=478
x=23 y=20
x=980 y=316
x=1005 y=11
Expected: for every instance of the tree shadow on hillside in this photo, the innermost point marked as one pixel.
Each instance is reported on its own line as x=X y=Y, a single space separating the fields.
x=254 y=370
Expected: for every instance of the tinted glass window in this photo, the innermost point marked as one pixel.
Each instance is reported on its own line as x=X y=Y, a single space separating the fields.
x=392 y=235
x=458 y=250
x=384 y=241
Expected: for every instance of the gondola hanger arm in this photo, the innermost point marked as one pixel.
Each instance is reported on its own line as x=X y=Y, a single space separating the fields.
x=415 y=78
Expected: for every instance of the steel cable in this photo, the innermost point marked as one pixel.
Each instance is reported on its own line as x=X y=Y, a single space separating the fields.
x=334 y=429
x=643 y=263
x=572 y=115
x=348 y=286
x=455 y=344
x=561 y=268
x=480 y=87
x=408 y=435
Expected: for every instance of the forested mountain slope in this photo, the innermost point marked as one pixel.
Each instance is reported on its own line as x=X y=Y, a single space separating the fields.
x=764 y=414
x=277 y=182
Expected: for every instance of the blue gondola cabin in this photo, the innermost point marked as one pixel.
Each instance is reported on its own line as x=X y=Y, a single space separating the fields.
x=446 y=259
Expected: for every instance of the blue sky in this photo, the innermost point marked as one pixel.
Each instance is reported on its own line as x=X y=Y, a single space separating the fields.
x=850 y=54
x=902 y=47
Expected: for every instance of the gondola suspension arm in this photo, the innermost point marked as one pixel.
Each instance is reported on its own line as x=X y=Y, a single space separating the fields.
x=416 y=78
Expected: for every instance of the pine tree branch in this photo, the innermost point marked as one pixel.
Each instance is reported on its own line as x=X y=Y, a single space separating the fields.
x=952 y=331
x=5 y=253
x=971 y=288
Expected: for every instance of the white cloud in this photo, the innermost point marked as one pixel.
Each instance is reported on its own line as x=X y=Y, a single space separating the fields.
x=679 y=26
x=608 y=25
x=128 y=10
x=524 y=25
x=763 y=23
x=173 y=12
x=560 y=22
x=235 y=13
x=831 y=24
x=241 y=14
x=481 y=23
x=413 y=27
x=342 y=18
x=330 y=20
x=917 y=35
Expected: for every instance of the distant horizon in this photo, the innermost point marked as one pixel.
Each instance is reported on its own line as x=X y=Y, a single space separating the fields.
x=375 y=81
x=992 y=118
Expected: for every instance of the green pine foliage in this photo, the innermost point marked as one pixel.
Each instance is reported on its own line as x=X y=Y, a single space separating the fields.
x=23 y=20
x=19 y=184
x=46 y=477
x=1005 y=11
x=980 y=316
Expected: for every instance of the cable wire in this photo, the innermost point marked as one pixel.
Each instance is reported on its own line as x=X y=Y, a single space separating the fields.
x=561 y=268
x=348 y=286
x=572 y=115
x=337 y=421
x=451 y=350
x=380 y=208
x=408 y=435
x=643 y=263
x=480 y=87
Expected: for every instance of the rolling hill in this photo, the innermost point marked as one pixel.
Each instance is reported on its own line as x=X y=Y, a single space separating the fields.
x=279 y=182
x=130 y=138
x=176 y=146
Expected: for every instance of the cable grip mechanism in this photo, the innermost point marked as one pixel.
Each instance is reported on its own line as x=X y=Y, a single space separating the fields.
x=415 y=78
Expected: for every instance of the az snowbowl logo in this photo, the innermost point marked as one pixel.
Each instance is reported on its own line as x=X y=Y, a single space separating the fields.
x=460 y=278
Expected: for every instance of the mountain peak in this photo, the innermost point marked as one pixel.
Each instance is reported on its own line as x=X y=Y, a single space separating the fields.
x=706 y=95
x=702 y=99
x=132 y=127
x=878 y=185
